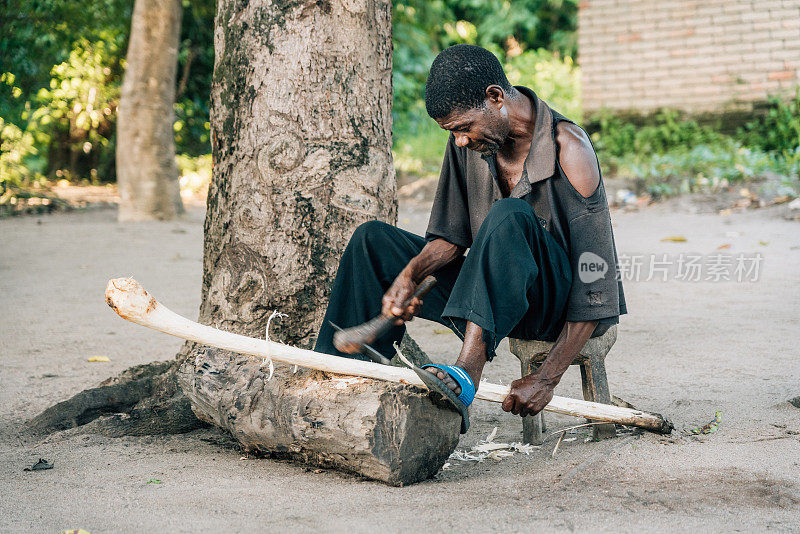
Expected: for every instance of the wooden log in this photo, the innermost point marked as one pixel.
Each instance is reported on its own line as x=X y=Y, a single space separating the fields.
x=391 y=432
x=133 y=303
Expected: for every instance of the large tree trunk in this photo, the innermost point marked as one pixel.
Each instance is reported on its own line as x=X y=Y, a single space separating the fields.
x=301 y=123
x=147 y=174
x=395 y=433
x=301 y=138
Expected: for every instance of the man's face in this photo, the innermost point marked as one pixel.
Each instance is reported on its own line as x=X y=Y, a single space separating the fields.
x=482 y=130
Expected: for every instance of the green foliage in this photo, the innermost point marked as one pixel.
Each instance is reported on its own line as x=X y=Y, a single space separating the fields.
x=78 y=108
x=701 y=168
x=417 y=28
x=515 y=26
x=420 y=153
x=672 y=155
x=195 y=68
x=555 y=80
x=779 y=130
x=65 y=57
x=37 y=34
x=16 y=146
x=65 y=60
x=618 y=137
x=195 y=173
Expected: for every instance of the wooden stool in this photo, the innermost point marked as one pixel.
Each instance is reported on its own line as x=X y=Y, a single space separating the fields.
x=593 y=376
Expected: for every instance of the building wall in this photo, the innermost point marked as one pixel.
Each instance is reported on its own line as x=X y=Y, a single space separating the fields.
x=712 y=55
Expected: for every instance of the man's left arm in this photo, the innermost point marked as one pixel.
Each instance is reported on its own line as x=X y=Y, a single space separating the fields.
x=530 y=394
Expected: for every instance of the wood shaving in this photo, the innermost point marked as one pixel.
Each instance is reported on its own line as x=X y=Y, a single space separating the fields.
x=400 y=355
x=267 y=359
x=488 y=448
x=499 y=455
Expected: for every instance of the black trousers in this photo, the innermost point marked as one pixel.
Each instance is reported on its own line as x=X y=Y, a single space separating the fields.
x=514 y=281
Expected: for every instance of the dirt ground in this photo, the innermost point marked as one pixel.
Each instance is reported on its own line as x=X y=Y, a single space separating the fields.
x=686 y=350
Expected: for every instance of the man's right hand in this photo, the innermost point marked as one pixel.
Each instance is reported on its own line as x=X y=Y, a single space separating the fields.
x=400 y=291
x=435 y=255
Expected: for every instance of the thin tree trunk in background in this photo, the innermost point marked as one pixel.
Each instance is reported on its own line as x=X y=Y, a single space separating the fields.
x=147 y=174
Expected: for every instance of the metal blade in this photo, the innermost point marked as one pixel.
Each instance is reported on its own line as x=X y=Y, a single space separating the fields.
x=376 y=356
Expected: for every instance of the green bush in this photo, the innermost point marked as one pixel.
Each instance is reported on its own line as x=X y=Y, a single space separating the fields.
x=418 y=151
x=554 y=79
x=77 y=111
x=195 y=173
x=705 y=167
x=16 y=146
x=617 y=137
x=779 y=129
x=672 y=155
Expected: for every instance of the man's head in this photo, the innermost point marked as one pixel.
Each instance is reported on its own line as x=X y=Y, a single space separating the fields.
x=467 y=93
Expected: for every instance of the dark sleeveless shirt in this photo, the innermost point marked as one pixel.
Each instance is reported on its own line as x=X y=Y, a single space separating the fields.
x=468 y=187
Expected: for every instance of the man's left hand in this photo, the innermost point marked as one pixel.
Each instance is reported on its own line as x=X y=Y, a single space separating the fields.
x=529 y=395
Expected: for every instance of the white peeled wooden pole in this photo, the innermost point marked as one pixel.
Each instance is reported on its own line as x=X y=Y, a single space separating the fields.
x=133 y=303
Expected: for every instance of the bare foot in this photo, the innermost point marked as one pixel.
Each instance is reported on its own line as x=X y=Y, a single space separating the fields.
x=446 y=378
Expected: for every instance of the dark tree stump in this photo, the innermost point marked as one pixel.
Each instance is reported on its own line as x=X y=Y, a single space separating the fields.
x=142 y=400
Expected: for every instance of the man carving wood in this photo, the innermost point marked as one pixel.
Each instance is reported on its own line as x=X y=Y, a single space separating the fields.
x=520 y=187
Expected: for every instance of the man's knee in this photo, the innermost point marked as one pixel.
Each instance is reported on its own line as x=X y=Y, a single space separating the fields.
x=370 y=233
x=505 y=206
x=508 y=211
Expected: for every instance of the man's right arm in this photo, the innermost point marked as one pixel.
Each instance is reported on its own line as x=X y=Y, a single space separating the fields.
x=435 y=255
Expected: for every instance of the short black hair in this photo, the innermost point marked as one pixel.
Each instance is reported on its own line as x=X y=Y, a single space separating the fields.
x=459 y=77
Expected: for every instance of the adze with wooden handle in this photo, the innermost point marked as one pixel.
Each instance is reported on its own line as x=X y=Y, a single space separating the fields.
x=130 y=300
x=359 y=338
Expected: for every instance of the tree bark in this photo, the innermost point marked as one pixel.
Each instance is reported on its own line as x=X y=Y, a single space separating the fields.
x=147 y=174
x=395 y=433
x=301 y=141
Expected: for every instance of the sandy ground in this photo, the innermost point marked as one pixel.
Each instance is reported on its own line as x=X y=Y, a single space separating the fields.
x=685 y=350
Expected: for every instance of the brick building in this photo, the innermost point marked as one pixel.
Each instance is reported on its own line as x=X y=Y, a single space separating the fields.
x=695 y=55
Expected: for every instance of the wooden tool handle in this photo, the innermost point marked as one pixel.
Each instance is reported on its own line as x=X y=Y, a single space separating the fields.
x=352 y=340
x=423 y=289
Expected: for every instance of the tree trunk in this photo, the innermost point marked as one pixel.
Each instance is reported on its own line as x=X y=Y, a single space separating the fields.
x=301 y=138
x=147 y=174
